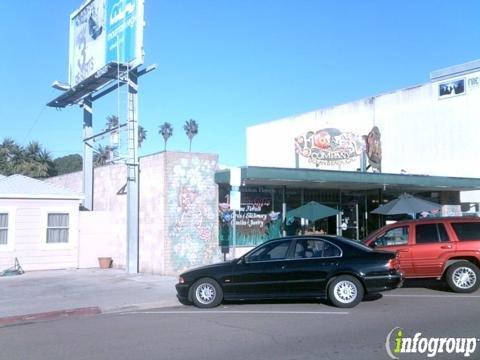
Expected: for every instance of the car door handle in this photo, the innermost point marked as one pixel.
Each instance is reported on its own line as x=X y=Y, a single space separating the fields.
x=403 y=250
x=446 y=247
x=283 y=267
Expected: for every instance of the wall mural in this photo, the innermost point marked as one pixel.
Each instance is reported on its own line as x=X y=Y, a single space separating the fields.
x=331 y=146
x=192 y=213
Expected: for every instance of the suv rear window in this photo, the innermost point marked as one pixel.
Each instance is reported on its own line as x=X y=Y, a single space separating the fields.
x=467 y=230
x=430 y=233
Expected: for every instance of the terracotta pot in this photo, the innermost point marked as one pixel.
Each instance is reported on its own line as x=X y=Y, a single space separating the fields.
x=105 y=262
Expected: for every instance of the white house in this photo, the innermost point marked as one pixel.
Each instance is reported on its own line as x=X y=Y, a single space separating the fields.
x=38 y=224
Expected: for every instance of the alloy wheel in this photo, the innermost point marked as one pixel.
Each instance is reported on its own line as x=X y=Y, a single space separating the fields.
x=345 y=291
x=464 y=277
x=205 y=293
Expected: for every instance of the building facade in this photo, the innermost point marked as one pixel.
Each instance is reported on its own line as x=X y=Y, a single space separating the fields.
x=356 y=156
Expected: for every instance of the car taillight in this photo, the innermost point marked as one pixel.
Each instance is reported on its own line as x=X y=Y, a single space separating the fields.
x=181 y=280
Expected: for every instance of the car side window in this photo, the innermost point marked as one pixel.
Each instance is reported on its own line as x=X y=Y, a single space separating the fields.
x=467 y=231
x=272 y=251
x=315 y=248
x=393 y=237
x=430 y=233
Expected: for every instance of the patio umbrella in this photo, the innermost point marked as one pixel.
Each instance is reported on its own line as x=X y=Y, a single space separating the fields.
x=406 y=204
x=313 y=211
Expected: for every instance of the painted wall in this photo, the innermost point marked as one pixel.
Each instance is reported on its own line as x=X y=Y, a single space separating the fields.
x=178 y=210
x=421 y=132
x=27 y=235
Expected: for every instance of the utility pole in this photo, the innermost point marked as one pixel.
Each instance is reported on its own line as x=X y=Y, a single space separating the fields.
x=87 y=153
x=132 y=175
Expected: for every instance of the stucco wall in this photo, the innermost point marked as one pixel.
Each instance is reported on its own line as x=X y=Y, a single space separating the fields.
x=178 y=210
x=421 y=133
x=27 y=235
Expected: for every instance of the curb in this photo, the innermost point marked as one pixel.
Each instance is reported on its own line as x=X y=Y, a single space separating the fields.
x=50 y=315
x=85 y=311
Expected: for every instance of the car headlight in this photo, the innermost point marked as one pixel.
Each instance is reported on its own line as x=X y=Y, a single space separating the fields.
x=181 y=280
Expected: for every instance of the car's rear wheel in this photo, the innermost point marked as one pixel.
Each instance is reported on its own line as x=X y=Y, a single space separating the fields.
x=463 y=277
x=345 y=291
x=206 y=293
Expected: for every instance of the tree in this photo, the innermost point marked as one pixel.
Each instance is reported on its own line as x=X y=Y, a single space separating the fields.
x=112 y=122
x=31 y=160
x=68 y=164
x=191 y=129
x=103 y=155
x=142 y=135
x=166 y=129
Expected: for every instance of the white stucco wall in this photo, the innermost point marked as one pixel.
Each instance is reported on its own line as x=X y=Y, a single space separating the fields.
x=27 y=234
x=420 y=132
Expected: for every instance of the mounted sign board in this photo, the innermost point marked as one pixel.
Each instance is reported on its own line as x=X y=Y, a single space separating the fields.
x=103 y=32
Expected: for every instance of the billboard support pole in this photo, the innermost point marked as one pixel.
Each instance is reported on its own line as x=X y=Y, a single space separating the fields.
x=87 y=153
x=132 y=175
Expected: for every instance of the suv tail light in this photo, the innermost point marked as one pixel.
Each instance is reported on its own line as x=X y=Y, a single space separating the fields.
x=392 y=264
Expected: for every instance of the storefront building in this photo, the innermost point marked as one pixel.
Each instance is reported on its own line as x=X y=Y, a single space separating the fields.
x=421 y=140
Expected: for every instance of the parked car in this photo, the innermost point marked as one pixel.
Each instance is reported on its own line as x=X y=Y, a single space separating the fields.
x=324 y=267
x=441 y=248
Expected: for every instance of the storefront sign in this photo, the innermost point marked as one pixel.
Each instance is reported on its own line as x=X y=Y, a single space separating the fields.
x=329 y=146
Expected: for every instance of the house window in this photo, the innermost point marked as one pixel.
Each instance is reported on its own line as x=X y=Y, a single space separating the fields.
x=3 y=229
x=57 y=228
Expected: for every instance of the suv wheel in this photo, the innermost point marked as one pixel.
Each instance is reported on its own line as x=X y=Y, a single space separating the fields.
x=463 y=277
x=345 y=291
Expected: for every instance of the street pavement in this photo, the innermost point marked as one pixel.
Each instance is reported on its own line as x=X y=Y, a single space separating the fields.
x=265 y=330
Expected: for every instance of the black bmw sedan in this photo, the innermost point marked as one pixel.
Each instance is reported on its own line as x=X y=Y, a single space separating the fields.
x=322 y=267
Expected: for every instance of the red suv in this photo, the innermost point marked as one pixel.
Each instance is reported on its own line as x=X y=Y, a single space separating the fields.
x=441 y=248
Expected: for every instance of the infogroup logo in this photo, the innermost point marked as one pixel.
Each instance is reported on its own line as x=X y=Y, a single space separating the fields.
x=398 y=344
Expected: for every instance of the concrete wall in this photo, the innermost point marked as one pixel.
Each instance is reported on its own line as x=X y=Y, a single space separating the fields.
x=178 y=211
x=27 y=234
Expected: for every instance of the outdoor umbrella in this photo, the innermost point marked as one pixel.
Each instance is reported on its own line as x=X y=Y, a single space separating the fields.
x=406 y=204
x=312 y=211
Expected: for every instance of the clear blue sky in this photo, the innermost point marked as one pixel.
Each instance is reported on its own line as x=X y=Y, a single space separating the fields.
x=232 y=63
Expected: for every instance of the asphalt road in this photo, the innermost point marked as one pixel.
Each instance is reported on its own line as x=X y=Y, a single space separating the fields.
x=281 y=330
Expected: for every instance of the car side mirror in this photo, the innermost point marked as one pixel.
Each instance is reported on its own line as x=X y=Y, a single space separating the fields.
x=243 y=260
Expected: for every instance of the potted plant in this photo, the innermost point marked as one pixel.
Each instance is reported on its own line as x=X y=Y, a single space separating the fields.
x=105 y=262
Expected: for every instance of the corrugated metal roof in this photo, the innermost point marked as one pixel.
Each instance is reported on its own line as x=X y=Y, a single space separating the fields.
x=24 y=187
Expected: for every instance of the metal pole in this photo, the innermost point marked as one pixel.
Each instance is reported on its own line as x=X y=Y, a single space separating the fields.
x=87 y=185
x=234 y=233
x=132 y=175
x=357 y=221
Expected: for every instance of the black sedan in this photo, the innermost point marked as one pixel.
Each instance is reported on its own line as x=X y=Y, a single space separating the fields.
x=322 y=267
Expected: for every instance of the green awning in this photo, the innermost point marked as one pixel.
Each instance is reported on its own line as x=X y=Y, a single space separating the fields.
x=347 y=180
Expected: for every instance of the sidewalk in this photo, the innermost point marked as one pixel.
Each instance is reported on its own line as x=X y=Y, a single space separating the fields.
x=39 y=292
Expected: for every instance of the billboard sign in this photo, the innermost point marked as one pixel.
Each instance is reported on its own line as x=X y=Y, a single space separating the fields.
x=102 y=32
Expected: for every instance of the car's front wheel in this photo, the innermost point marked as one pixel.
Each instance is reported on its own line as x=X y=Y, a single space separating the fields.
x=206 y=293
x=345 y=291
x=463 y=277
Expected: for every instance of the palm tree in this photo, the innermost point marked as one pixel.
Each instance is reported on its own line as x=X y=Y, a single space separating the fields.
x=191 y=129
x=103 y=155
x=142 y=135
x=166 y=129
x=112 y=122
